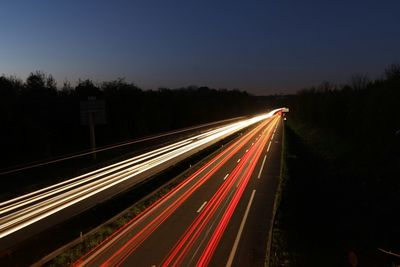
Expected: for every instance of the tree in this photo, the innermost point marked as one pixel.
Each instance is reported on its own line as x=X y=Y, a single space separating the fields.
x=40 y=84
x=35 y=81
x=393 y=72
x=86 y=89
x=359 y=81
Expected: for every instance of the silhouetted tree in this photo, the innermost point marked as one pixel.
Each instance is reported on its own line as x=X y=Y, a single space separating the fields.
x=393 y=72
x=40 y=121
x=86 y=89
x=354 y=130
x=359 y=81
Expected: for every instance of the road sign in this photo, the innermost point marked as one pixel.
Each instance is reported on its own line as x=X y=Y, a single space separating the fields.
x=95 y=108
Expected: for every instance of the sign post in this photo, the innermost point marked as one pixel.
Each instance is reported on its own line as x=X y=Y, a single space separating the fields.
x=92 y=113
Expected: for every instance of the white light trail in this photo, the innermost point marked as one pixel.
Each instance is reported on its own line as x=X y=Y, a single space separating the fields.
x=25 y=210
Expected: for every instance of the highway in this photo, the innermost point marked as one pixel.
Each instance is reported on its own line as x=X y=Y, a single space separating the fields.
x=219 y=216
x=26 y=215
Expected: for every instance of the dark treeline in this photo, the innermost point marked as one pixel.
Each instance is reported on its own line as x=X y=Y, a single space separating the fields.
x=363 y=111
x=347 y=193
x=363 y=115
x=39 y=120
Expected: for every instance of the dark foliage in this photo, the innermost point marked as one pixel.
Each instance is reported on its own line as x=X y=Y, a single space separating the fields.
x=39 y=121
x=346 y=194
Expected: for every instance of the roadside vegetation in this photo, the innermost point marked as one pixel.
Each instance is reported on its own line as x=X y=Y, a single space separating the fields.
x=341 y=184
x=42 y=120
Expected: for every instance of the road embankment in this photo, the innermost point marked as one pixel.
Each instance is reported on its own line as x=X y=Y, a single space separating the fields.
x=331 y=208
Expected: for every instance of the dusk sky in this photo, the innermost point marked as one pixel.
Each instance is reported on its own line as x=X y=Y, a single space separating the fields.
x=263 y=47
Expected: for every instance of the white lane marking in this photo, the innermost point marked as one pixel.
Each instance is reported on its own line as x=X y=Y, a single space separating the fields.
x=269 y=145
x=236 y=243
x=252 y=143
x=247 y=150
x=226 y=176
x=238 y=161
x=95 y=254
x=211 y=227
x=202 y=206
x=273 y=136
x=262 y=166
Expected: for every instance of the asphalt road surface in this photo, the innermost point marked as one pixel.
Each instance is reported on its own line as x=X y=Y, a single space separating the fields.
x=28 y=214
x=219 y=216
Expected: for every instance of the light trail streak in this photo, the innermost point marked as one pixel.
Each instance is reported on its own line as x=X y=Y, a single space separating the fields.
x=182 y=248
x=27 y=198
x=147 y=222
x=135 y=241
x=48 y=191
x=220 y=229
x=22 y=211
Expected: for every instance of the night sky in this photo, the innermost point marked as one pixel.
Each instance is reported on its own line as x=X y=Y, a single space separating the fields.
x=260 y=46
